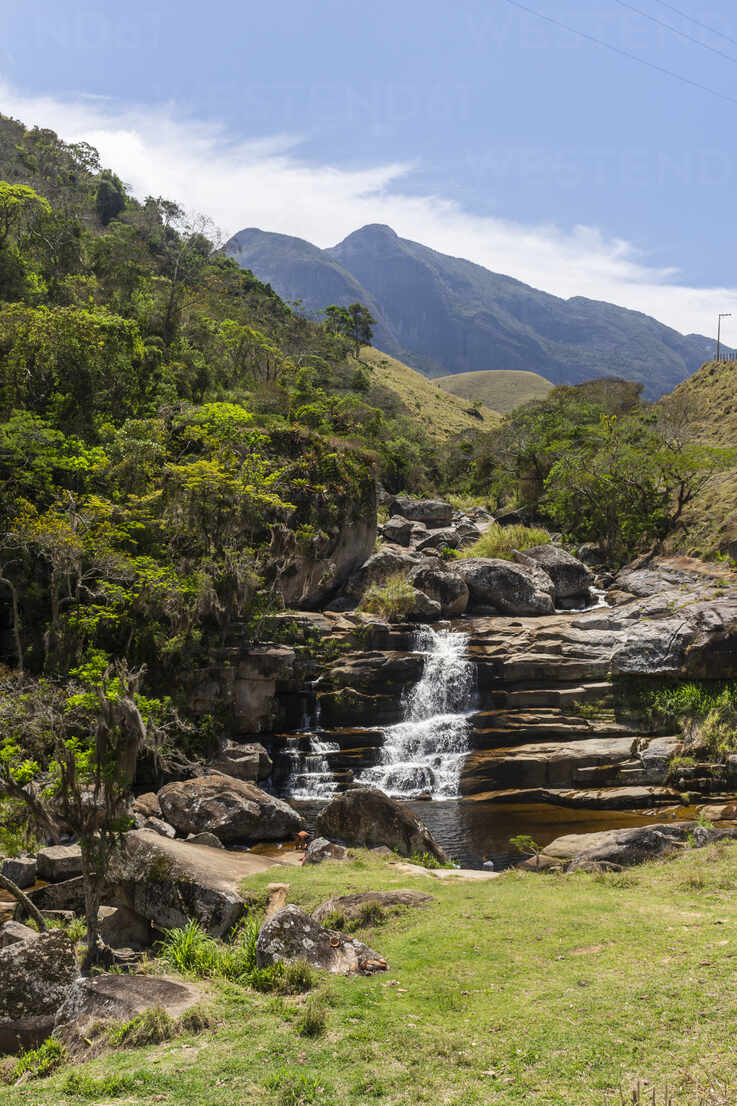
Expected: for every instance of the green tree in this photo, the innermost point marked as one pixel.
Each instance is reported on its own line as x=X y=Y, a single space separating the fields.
x=355 y=322
x=109 y=197
x=68 y=751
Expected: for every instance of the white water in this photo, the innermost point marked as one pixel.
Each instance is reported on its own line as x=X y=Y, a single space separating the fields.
x=424 y=754
x=310 y=776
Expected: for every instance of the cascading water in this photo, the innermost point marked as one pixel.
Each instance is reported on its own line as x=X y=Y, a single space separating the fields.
x=310 y=775
x=424 y=754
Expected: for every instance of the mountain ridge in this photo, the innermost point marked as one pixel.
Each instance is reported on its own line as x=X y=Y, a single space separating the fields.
x=445 y=315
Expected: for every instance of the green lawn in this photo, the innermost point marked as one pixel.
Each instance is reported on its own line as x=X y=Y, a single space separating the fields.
x=541 y=989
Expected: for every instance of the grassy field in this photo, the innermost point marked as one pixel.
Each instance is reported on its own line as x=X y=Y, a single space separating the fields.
x=710 y=397
x=501 y=389
x=542 y=989
x=442 y=414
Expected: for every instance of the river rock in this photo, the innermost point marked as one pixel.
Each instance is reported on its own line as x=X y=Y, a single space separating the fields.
x=350 y=905
x=570 y=576
x=12 y=932
x=243 y=761
x=434 y=513
x=234 y=810
x=397 y=531
x=147 y=806
x=36 y=978
x=424 y=609
x=158 y=825
x=205 y=838
x=443 y=585
x=122 y=928
x=59 y=862
x=291 y=935
x=445 y=538
x=366 y=816
x=509 y=588
x=320 y=849
x=21 y=869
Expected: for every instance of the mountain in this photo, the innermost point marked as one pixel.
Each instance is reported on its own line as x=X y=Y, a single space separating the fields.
x=500 y=389
x=443 y=315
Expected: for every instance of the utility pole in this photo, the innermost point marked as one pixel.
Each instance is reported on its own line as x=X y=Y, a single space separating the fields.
x=724 y=315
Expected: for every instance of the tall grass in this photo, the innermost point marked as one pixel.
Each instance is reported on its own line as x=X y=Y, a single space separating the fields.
x=393 y=600
x=502 y=541
x=191 y=951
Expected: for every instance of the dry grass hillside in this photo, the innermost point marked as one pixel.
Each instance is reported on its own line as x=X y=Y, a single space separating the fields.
x=709 y=399
x=500 y=389
x=442 y=414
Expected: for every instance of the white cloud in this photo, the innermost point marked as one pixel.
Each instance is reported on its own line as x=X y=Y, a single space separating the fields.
x=265 y=183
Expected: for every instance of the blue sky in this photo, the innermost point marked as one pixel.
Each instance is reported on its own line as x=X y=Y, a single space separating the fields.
x=475 y=127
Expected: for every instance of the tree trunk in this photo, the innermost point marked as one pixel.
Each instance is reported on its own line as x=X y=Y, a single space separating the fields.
x=29 y=908
x=92 y=890
x=16 y=620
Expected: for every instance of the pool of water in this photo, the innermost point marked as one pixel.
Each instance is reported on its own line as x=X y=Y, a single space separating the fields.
x=472 y=831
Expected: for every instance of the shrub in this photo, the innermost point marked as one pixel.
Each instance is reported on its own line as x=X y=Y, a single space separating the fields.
x=393 y=600
x=427 y=860
x=38 y=1062
x=501 y=541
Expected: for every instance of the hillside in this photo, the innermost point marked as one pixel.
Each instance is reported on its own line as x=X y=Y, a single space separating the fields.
x=500 y=389
x=444 y=315
x=707 y=403
x=442 y=413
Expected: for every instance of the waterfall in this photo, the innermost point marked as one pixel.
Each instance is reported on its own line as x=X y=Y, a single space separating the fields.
x=424 y=754
x=310 y=775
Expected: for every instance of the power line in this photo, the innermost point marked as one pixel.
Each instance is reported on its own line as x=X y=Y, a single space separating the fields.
x=676 y=31
x=698 y=22
x=621 y=52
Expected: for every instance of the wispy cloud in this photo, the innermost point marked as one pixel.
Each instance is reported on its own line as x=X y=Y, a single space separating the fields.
x=266 y=183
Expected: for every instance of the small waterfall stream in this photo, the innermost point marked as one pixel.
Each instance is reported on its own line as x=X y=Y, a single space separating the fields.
x=423 y=755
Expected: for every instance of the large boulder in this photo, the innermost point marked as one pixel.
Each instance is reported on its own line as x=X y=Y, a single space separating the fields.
x=243 y=761
x=445 y=538
x=434 y=513
x=59 y=862
x=378 y=568
x=570 y=576
x=291 y=935
x=351 y=906
x=234 y=810
x=366 y=816
x=624 y=847
x=443 y=585
x=320 y=849
x=21 y=869
x=168 y=882
x=397 y=531
x=252 y=692
x=35 y=979
x=120 y=997
x=507 y=587
x=122 y=928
